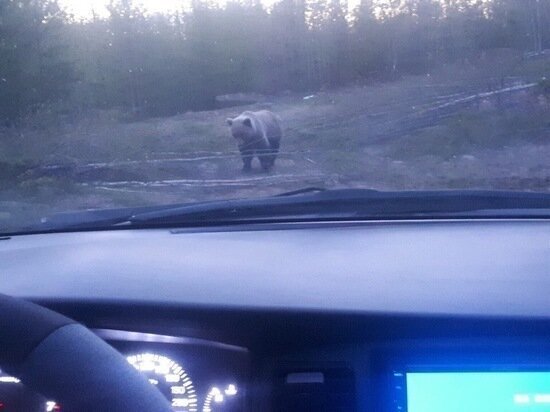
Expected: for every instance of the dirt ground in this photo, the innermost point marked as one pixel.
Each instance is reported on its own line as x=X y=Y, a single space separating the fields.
x=422 y=132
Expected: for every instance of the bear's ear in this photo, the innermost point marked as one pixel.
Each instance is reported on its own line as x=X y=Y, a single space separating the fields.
x=247 y=122
x=229 y=121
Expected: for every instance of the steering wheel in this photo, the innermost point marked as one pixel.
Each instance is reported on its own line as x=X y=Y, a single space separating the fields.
x=65 y=361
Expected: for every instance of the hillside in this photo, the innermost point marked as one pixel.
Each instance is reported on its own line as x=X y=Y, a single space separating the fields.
x=433 y=131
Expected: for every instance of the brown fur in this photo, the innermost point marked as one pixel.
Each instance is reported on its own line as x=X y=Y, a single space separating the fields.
x=258 y=135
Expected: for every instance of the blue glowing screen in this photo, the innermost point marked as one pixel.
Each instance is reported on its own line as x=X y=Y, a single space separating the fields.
x=478 y=392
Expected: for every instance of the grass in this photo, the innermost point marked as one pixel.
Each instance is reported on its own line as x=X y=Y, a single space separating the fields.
x=533 y=70
x=336 y=133
x=108 y=141
x=544 y=87
x=471 y=131
x=10 y=172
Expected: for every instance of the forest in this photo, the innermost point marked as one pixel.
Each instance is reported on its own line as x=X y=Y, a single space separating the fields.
x=149 y=64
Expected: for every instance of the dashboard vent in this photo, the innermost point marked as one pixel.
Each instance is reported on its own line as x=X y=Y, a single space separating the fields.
x=314 y=389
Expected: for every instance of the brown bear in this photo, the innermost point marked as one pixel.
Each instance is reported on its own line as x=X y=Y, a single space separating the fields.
x=258 y=134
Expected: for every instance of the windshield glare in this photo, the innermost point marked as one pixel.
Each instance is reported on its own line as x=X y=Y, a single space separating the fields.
x=119 y=103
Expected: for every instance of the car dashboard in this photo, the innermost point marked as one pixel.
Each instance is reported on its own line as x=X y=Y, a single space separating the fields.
x=385 y=317
x=193 y=374
x=343 y=362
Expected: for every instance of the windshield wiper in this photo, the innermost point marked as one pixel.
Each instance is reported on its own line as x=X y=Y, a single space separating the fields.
x=302 y=191
x=355 y=204
x=314 y=204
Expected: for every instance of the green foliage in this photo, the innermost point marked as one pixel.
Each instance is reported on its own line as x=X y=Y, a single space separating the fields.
x=154 y=65
x=34 y=68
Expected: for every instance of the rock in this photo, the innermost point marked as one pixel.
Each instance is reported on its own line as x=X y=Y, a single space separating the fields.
x=238 y=99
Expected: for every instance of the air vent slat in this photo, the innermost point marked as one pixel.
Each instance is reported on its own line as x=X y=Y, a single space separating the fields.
x=314 y=389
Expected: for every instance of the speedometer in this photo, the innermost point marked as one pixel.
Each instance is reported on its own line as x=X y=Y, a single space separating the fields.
x=169 y=377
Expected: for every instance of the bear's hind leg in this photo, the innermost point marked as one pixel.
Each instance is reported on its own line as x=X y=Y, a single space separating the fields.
x=267 y=159
x=267 y=163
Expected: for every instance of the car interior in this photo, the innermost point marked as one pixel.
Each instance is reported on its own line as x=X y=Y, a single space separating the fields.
x=327 y=316
x=275 y=205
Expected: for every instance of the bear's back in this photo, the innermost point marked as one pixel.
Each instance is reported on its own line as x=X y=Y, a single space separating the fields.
x=270 y=123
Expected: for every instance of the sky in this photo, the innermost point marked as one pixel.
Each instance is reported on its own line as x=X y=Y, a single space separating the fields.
x=84 y=8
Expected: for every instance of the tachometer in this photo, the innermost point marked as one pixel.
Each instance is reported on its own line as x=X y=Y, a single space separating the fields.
x=169 y=377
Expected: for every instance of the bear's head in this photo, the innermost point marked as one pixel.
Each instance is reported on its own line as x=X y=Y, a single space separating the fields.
x=242 y=127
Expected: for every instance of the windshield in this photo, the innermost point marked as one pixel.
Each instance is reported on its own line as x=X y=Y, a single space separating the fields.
x=121 y=103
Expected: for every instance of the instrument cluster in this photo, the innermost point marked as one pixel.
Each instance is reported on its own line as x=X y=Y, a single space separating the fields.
x=195 y=375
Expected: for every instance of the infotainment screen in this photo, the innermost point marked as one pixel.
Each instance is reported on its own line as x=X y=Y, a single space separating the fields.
x=475 y=391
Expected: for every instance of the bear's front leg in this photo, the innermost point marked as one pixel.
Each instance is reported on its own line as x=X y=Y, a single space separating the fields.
x=247 y=156
x=267 y=162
